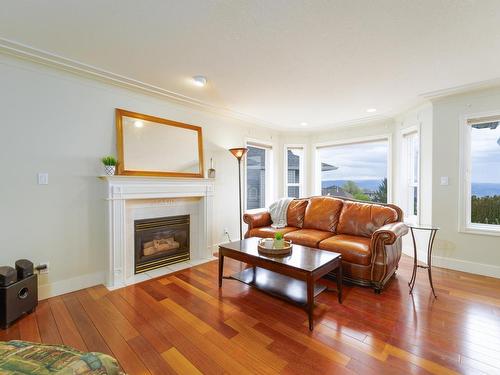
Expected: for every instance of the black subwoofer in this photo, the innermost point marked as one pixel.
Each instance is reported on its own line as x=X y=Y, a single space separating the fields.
x=7 y=276
x=18 y=299
x=24 y=268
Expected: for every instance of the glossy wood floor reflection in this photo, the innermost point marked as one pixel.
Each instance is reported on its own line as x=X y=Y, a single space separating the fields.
x=182 y=324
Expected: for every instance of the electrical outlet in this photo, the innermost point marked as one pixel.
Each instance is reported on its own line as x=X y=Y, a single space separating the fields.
x=227 y=236
x=46 y=269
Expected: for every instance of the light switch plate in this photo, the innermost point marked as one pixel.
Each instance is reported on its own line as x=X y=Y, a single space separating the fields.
x=43 y=178
x=444 y=181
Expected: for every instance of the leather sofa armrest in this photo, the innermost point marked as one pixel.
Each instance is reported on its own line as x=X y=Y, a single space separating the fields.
x=389 y=233
x=257 y=219
x=386 y=248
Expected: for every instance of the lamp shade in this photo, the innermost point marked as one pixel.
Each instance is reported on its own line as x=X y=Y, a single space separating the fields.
x=238 y=152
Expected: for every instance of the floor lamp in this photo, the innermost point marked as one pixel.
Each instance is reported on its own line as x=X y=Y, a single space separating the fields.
x=239 y=153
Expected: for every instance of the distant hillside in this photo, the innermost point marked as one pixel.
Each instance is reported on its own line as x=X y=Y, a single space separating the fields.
x=371 y=185
x=478 y=189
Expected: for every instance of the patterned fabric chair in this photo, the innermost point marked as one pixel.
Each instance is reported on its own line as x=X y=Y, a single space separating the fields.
x=21 y=357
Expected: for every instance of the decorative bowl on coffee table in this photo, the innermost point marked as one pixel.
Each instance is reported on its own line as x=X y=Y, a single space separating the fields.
x=286 y=249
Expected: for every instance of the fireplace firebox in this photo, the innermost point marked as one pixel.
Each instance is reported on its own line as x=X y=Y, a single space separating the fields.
x=160 y=242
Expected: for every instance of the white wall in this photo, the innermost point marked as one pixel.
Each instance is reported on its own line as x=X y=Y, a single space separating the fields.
x=470 y=252
x=61 y=123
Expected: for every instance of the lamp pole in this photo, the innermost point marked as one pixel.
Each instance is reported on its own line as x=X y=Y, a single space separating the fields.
x=238 y=153
x=241 y=206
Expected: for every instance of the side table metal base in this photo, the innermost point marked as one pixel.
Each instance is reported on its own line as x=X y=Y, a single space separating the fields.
x=416 y=266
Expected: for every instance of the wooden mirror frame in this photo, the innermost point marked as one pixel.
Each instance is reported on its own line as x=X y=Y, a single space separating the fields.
x=120 y=113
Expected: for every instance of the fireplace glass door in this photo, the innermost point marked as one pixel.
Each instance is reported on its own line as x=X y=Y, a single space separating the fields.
x=160 y=242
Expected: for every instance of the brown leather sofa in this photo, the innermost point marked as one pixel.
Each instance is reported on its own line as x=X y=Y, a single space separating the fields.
x=368 y=235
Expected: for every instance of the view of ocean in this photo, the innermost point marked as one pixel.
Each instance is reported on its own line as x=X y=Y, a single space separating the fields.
x=478 y=189
x=485 y=189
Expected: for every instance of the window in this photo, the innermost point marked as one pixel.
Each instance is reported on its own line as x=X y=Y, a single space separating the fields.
x=354 y=170
x=294 y=167
x=481 y=193
x=258 y=176
x=410 y=173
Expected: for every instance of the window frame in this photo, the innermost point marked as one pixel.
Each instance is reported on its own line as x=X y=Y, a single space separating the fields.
x=404 y=183
x=465 y=224
x=349 y=141
x=269 y=176
x=302 y=169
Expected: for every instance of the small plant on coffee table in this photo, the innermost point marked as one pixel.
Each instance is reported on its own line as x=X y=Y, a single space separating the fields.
x=279 y=242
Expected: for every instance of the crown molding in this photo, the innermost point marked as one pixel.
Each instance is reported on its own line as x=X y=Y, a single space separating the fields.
x=461 y=89
x=359 y=122
x=39 y=56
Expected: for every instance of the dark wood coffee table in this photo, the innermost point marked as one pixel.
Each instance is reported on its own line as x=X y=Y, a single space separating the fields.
x=292 y=277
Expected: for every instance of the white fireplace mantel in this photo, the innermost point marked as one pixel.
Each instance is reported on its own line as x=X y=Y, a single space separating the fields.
x=156 y=192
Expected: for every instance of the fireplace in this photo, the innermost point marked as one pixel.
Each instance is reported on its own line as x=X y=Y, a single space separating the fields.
x=131 y=198
x=160 y=242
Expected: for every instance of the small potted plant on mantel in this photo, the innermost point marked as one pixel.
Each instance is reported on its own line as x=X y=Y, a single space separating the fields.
x=109 y=165
x=279 y=242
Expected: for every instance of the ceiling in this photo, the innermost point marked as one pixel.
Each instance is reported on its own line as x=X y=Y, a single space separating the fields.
x=283 y=61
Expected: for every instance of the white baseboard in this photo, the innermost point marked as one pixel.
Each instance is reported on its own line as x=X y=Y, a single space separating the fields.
x=70 y=285
x=454 y=263
x=466 y=266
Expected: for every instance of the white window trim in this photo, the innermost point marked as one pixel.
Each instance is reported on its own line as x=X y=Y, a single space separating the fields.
x=302 y=170
x=382 y=137
x=269 y=172
x=412 y=219
x=464 y=196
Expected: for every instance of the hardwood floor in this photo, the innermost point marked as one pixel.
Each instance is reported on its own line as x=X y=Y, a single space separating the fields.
x=183 y=324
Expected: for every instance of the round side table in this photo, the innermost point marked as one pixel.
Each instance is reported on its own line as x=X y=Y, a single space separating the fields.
x=432 y=234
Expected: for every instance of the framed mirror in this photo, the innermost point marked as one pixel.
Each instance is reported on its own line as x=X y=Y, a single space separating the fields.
x=153 y=146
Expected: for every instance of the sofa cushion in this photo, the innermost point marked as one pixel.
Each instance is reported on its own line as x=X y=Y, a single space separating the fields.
x=269 y=232
x=354 y=249
x=362 y=219
x=322 y=213
x=307 y=237
x=296 y=212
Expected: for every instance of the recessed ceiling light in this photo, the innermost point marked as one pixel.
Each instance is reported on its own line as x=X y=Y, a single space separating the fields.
x=138 y=124
x=303 y=123
x=371 y=110
x=199 y=81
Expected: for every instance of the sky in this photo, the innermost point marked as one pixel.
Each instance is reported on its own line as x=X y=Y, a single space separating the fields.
x=360 y=161
x=485 y=155
x=368 y=161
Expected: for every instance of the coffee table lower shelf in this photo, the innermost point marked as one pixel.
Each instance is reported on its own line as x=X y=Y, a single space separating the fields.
x=277 y=285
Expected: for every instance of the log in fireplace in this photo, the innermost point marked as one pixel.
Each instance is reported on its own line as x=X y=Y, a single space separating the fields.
x=160 y=242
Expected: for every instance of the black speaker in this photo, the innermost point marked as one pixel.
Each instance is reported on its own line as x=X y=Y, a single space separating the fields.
x=18 y=299
x=24 y=268
x=7 y=275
